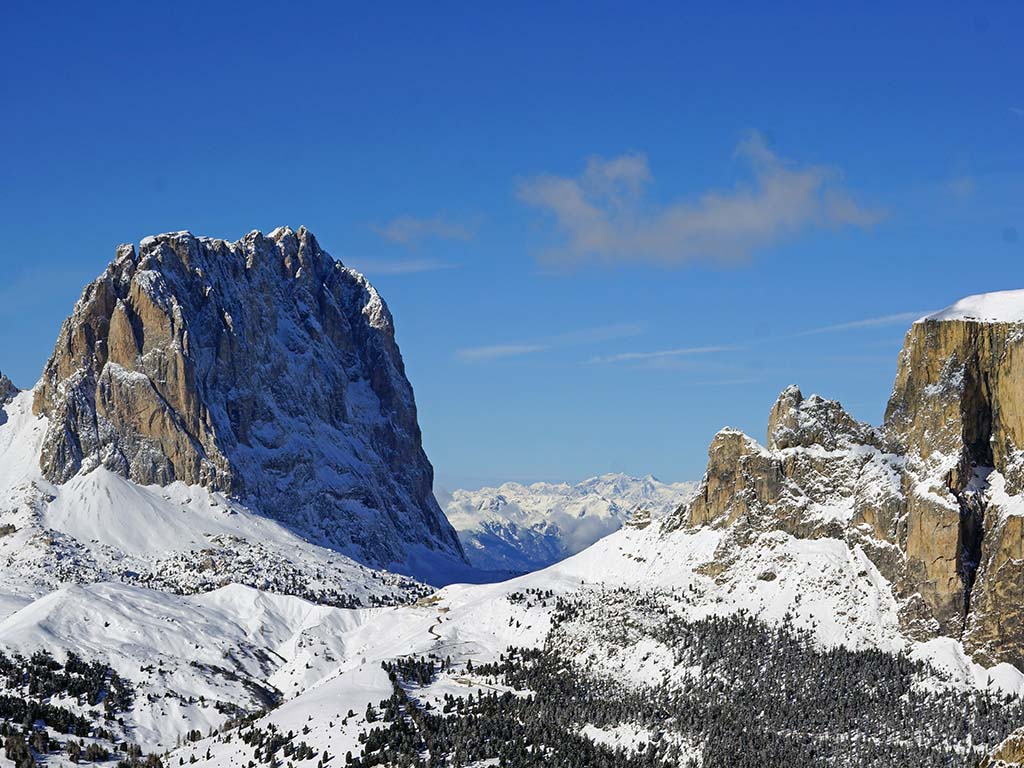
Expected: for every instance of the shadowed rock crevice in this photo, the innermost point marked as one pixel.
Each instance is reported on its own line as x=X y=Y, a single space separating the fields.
x=977 y=417
x=973 y=501
x=969 y=482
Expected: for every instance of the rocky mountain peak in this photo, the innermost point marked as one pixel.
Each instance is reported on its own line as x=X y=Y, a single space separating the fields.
x=935 y=497
x=959 y=390
x=7 y=389
x=796 y=421
x=261 y=368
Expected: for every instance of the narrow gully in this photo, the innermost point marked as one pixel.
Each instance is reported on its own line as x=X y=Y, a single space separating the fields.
x=970 y=484
x=973 y=499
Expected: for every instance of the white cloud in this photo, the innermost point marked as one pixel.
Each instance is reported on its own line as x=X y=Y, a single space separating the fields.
x=671 y=358
x=497 y=351
x=410 y=230
x=661 y=354
x=570 y=339
x=870 y=322
x=604 y=214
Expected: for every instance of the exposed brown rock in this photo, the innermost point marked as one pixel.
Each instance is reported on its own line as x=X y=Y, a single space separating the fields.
x=7 y=390
x=1009 y=754
x=996 y=620
x=798 y=422
x=959 y=393
x=261 y=368
x=918 y=495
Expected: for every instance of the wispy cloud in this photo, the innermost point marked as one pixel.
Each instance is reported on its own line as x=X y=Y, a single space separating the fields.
x=400 y=266
x=497 y=351
x=411 y=230
x=723 y=382
x=870 y=322
x=665 y=359
x=569 y=339
x=605 y=216
x=661 y=354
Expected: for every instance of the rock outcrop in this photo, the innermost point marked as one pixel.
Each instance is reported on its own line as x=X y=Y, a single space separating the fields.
x=7 y=390
x=798 y=422
x=7 y=393
x=934 y=497
x=263 y=369
x=1009 y=753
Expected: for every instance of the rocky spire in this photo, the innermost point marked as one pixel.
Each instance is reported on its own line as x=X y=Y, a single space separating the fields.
x=7 y=389
x=262 y=368
x=796 y=421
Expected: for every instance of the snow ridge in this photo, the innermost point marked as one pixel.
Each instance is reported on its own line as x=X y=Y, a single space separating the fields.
x=996 y=307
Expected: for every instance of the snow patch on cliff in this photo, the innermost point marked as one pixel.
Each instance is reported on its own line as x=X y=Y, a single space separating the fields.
x=997 y=307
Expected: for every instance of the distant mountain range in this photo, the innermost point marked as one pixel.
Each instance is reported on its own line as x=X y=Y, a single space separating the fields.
x=220 y=545
x=522 y=528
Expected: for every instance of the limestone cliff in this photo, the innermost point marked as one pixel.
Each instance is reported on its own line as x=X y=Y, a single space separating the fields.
x=261 y=368
x=1009 y=754
x=934 y=497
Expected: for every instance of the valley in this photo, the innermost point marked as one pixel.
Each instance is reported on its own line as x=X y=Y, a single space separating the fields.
x=220 y=547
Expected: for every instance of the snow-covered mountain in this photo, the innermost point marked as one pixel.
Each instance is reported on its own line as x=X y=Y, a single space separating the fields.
x=883 y=561
x=262 y=370
x=523 y=528
x=609 y=615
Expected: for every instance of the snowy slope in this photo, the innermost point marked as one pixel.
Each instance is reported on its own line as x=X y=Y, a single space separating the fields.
x=521 y=528
x=264 y=369
x=189 y=655
x=101 y=527
x=197 y=658
x=833 y=591
x=997 y=307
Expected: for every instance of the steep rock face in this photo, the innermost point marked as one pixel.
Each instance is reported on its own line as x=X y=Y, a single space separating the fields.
x=959 y=392
x=957 y=411
x=7 y=393
x=996 y=618
x=803 y=488
x=933 y=498
x=7 y=389
x=798 y=422
x=261 y=368
x=1009 y=754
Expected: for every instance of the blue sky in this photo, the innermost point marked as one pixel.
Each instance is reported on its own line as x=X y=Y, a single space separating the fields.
x=605 y=230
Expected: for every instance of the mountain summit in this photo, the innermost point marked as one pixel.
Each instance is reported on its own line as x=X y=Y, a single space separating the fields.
x=935 y=497
x=263 y=369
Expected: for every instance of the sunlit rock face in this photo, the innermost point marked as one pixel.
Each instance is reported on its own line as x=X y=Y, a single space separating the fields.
x=1009 y=754
x=261 y=368
x=934 y=496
